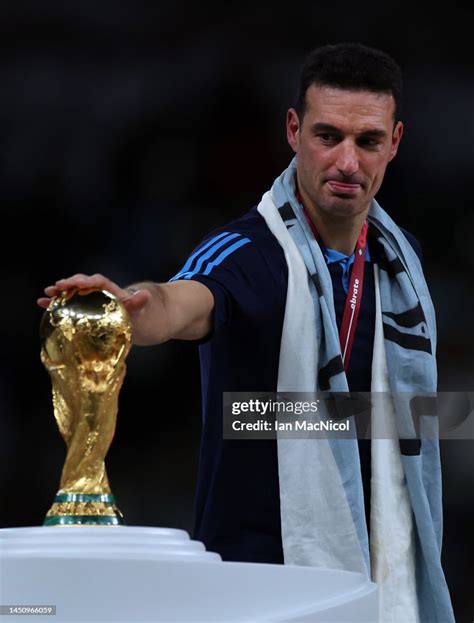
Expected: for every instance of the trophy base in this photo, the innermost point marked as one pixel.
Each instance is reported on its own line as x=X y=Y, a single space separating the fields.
x=137 y=574
x=79 y=509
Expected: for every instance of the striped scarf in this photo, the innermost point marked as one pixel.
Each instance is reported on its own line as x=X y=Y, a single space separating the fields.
x=321 y=495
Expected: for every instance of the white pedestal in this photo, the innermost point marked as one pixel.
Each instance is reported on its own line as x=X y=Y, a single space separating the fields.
x=103 y=573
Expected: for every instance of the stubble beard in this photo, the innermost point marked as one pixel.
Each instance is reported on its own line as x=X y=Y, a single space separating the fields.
x=338 y=209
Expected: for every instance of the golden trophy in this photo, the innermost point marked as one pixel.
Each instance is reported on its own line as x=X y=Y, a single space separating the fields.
x=85 y=339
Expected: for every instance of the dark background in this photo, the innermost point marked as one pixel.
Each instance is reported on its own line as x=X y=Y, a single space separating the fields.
x=128 y=131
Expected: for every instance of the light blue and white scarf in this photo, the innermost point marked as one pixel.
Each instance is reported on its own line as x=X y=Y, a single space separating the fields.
x=322 y=502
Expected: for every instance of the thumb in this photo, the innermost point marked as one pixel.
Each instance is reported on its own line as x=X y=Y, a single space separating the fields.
x=136 y=300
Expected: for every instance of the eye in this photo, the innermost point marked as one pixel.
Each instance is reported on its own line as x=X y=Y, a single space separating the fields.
x=366 y=141
x=327 y=137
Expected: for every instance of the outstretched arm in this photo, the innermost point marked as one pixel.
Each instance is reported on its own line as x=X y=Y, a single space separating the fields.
x=158 y=312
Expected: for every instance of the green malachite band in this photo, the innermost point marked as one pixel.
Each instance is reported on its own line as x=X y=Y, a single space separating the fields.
x=106 y=498
x=77 y=520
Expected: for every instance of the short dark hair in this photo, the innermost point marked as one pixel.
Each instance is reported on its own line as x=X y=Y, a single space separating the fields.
x=350 y=66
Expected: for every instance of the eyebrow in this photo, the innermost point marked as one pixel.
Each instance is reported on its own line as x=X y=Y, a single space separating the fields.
x=327 y=127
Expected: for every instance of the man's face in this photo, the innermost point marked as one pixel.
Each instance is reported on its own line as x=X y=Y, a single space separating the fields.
x=344 y=142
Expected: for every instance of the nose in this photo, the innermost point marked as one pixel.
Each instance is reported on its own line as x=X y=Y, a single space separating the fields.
x=347 y=159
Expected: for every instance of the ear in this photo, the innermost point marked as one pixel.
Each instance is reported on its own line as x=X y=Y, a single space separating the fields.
x=396 y=138
x=292 y=129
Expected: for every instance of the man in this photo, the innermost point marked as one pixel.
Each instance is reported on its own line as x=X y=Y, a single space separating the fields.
x=315 y=289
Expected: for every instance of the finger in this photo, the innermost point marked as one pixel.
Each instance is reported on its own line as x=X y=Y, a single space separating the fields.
x=76 y=281
x=51 y=291
x=102 y=283
x=88 y=282
x=43 y=302
x=72 y=279
x=99 y=282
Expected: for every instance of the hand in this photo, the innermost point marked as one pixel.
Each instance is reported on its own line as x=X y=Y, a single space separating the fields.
x=134 y=302
x=158 y=312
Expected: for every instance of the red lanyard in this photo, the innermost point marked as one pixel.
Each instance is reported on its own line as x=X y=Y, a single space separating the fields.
x=353 y=300
x=354 y=295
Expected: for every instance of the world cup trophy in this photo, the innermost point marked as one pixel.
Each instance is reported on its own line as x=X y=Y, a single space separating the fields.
x=85 y=339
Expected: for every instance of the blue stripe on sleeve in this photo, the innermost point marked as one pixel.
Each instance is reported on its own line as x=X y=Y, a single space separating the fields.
x=224 y=254
x=206 y=256
x=197 y=253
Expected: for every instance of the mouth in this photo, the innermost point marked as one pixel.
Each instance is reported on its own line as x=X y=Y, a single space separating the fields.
x=342 y=188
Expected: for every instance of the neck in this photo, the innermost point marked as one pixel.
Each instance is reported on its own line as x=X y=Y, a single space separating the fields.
x=337 y=232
